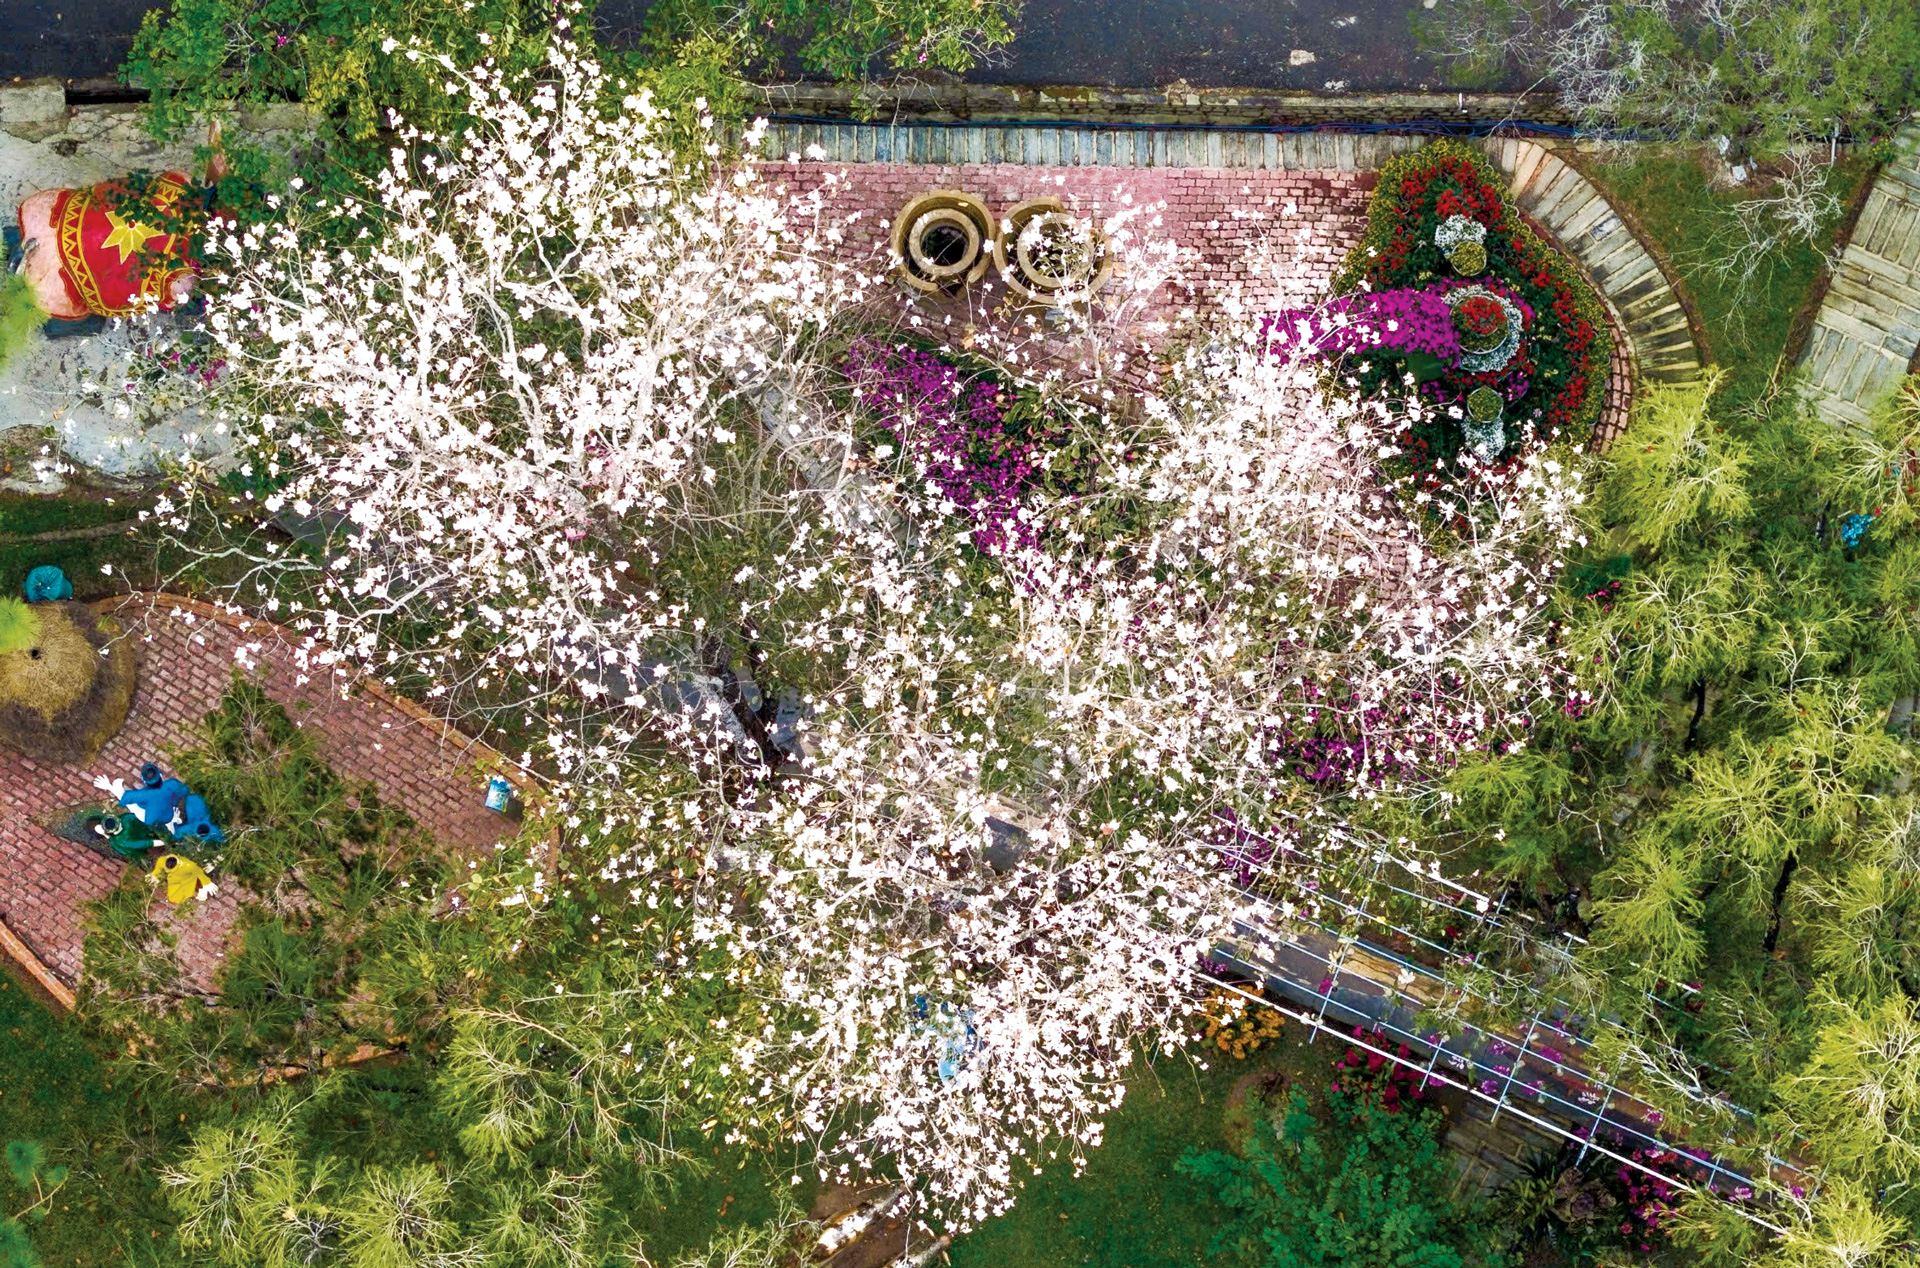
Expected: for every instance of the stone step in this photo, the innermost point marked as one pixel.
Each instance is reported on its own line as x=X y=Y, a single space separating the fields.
x=1872 y=268
x=1901 y=177
x=1860 y=325
x=1891 y=232
x=1892 y=302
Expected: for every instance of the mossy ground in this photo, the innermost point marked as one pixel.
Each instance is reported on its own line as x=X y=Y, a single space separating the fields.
x=1130 y=1209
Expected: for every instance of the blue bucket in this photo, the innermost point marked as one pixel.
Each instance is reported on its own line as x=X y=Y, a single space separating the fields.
x=499 y=793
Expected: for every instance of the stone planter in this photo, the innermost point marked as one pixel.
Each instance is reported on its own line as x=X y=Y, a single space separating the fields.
x=941 y=242
x=1047 y=256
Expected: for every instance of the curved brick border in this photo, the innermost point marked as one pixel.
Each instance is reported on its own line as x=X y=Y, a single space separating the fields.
x=1584 y=224
x=189 y=652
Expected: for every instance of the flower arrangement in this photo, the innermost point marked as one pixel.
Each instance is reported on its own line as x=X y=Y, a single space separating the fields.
x=1484 y=404
x=1469 y=259
x=1399 y=321
x=1369 y=1076
x=1444 y=201
x=1229 y=1023
x=1481 y=321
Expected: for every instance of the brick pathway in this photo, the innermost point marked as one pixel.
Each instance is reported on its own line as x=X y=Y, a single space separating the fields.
x=1270 y=236
x=187 y=662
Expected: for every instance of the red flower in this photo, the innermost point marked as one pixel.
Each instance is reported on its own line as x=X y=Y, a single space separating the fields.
x=1480 y=317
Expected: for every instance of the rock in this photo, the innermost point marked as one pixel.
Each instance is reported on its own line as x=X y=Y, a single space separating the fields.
x=35 y=101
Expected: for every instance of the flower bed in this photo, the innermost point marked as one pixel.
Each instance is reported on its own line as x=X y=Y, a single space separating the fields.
x=1440 y=226
x=986 y=444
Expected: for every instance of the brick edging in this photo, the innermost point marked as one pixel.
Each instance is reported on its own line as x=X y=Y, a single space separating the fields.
x=20 y=953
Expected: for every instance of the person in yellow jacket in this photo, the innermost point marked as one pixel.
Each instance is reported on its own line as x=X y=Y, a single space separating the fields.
x=184 y=878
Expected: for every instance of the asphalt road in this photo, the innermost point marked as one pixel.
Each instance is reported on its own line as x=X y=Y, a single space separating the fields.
x=1354 y=44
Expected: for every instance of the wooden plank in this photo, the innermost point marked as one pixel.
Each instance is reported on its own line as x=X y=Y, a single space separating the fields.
x=1619 y=262
x=1551 y=179
x=1526 y=164
x=1574 y=228
x=30 y=964
x=1566 y=195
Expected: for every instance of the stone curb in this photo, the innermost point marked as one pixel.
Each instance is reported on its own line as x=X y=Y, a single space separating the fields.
x=1177 y=103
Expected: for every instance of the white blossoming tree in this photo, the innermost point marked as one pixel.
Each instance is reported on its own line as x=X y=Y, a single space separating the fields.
x=559 y=431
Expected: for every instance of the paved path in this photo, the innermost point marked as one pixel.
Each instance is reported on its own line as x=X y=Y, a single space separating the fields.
x=1868 y=328
x=187 y=662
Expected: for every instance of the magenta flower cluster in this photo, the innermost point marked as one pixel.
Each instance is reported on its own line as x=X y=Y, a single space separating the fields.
x=1396 y=321
x=954 y=429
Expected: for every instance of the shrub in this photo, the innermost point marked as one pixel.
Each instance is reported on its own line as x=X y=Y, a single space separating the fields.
x=1366 y=1190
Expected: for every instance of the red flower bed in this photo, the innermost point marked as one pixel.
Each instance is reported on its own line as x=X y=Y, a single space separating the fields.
x=1567 y=345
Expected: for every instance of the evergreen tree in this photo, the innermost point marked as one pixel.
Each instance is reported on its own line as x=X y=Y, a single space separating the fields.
x=1724 y=812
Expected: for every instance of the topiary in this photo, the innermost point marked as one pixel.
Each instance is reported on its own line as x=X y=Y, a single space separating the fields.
x=19 y=626
x=66 y=680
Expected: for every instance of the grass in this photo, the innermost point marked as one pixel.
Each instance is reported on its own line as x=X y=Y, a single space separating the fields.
x=1130 y=1209
x=53 y=1090
x=24 y=515
x=1669 y=197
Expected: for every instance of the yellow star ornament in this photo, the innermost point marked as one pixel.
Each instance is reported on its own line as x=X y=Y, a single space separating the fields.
x=128 y=237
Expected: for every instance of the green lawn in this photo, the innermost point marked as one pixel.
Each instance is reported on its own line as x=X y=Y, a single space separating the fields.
x=1669 y=196
x=54 y=1091
x=1130 y=1209
x=23 y=515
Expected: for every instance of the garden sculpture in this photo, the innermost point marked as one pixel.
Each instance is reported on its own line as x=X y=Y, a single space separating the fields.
x=184 y=878
x=79 y=256
x=196 y=822
x=47 y=584
x=157 y=798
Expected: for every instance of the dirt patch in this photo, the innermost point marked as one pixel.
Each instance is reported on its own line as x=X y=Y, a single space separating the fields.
x=1247 y=1100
